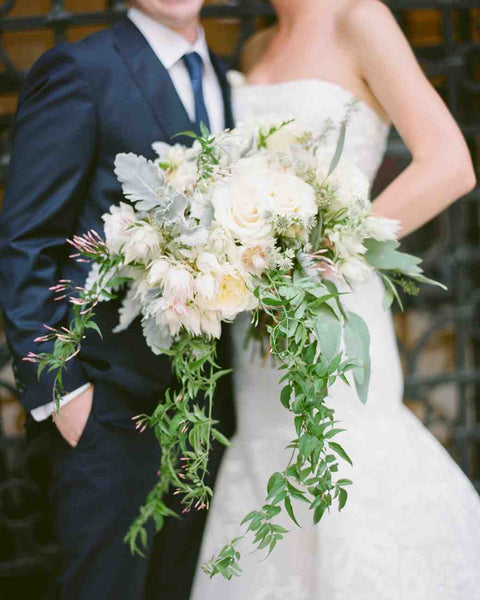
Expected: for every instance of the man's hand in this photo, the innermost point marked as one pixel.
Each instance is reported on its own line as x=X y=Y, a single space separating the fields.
x=72 y=418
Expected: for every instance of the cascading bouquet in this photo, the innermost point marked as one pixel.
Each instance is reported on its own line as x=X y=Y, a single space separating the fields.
x=265 y=219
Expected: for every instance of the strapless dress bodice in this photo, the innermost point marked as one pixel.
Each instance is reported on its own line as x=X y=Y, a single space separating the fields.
x=320 y=106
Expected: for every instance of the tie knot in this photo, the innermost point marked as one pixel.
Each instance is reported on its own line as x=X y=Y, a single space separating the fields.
x=194 y=63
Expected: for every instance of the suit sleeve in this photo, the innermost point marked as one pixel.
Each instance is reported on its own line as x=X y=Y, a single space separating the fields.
x=53 y=151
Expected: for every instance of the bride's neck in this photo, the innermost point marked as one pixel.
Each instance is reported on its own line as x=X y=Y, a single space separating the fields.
x=291 y=14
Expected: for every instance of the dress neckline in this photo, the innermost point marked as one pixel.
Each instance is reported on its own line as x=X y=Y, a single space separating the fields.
x=246 y=84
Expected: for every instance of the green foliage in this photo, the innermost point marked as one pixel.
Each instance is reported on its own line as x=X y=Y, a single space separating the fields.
x=208 y=157
x=263 y=136
x=304 y=335
x=68 y=340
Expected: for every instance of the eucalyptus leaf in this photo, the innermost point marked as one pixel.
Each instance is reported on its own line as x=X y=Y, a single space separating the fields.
x=338 y=150
x=357 y=344
x=328 y=330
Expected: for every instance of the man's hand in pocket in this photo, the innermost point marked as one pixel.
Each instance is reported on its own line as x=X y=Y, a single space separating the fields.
x=72 y=418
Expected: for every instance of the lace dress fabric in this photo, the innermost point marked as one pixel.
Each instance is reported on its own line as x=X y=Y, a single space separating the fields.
x=411 y=527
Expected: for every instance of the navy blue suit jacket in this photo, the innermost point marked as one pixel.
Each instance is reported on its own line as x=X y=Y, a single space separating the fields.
x=82 y=104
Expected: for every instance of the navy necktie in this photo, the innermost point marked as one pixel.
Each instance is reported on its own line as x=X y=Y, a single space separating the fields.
x=194 y=63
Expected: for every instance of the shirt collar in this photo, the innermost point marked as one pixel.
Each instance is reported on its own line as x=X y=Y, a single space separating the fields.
x=168 y=45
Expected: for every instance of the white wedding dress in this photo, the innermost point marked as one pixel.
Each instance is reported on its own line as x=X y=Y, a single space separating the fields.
x=411 y=527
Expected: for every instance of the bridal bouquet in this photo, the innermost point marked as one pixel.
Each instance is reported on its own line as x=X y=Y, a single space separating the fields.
x=264 y=219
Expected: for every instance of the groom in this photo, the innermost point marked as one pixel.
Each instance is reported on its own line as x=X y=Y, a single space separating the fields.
x=144 y=80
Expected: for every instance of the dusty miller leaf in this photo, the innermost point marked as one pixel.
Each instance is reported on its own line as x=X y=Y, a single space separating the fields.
x=140 y=180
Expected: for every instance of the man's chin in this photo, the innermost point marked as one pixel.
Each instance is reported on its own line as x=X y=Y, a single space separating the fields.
x=177 y=14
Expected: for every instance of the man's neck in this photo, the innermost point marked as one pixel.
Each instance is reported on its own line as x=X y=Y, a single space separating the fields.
x=189 y=31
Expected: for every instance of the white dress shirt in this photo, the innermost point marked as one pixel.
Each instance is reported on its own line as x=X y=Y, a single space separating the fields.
x=170 y=47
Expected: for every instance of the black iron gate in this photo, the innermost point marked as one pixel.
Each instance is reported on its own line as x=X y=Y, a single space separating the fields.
x=447 y=396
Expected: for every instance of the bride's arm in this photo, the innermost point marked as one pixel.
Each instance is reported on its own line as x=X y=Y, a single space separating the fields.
x=441 y=170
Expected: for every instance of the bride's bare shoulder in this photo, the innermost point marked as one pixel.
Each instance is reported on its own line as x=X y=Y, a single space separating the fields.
x=255 y=47
x=359 y=16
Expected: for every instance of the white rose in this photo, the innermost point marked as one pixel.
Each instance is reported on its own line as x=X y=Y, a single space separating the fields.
x=381 y=228
x=178 y=283
x=240 y=205
x=143 y=243
x=283 y=139
x=257 y=165
x=352 y=188
x=292 y=197
x=117 y=223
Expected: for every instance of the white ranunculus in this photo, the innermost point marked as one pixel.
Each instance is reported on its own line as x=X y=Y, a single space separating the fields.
x=233 y=295
x=178 y=283
x=355 y=269
x=352 y=187
x=143 y=243
x=205 y=285
x=239 y=206
x=157 y=271
x=292 y=197
x=381 y=228
x=347 y=241
x=117 y=223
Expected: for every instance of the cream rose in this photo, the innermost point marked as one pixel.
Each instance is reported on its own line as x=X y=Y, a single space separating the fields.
x=283 y=139
x=292 y=197
x=351 y=186
x=240 y=206
x=232 y=294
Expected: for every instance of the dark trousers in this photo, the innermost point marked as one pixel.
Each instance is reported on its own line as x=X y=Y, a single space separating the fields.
x=97 y=489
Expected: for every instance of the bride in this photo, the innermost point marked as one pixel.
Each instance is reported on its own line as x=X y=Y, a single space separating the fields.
x=411 y=527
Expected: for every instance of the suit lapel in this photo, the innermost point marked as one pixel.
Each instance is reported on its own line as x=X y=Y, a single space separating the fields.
x=221 y=72
x=156 y=86
x=154 y=82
